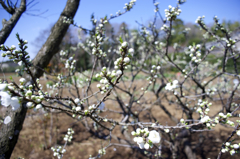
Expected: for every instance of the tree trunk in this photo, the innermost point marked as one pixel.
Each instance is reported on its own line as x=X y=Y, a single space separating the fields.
x=9 y=133
x=9 y=25
x=58 y=31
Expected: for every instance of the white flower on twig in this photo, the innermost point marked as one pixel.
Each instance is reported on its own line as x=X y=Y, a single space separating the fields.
x=154 y=136
x=7 y=100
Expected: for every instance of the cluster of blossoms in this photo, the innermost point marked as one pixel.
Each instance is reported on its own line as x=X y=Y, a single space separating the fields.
x=92 y=108
x=63 y=53
x=6 y=97
x=146 y=139
x=200 y=19
x=153 y=73
x=18 y=56
x=102 y=151
x=172 y=85
x=211 y=91
x=68 y=137
x=99 y=39
x=224 y=119
x=156 y=5
x=12 y=93
x=203 y=107
x=172 y=12
x=70 y=63
x=232 y=149
x=36 y=99
x=67 y=20
x=203 y=110
x=78 y=103
x=58 y=151
x=231 y=42
x=159 y=45
x=108 y=77
x=128 y=6
x=194 y=53
x=154 y=70
x=165 y=27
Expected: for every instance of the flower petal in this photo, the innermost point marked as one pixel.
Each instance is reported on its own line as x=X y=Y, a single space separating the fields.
x=15 y=103
x=3 y=87
x=5 y=99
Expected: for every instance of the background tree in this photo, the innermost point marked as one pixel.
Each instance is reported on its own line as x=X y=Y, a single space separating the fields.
x=16 y=12
x=42 y=59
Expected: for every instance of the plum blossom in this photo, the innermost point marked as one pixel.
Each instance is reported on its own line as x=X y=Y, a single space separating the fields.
x=140 y=142
x=145 y=138
x=238 y=132
x=154 y=136
x=172 y=85
x=7 y=100
x=236 y=146
x=77 y=100
x=39 y=106
x=119 y=72
x=205 y=119
x=78 y=109
x=3 y=87
x=146 y=146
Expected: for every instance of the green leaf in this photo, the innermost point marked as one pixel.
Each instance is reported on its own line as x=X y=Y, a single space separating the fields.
x=120 y=39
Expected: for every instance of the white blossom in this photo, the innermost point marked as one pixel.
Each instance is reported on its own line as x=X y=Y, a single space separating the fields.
x=20 y=63
x=126 y=59
x=131 y=50
x=236 y=146
x=154 y=136
x=39 y=106
x=146 y=146
x=22 y=80
x=77 y=100
x=172 y=85
x=78 y=109
x=29 y=104
x=205 y=119
x=238 y=132
x=3 y=86
x=124 y=44
x=6 y=100
x=119 y=72
x=166 y=130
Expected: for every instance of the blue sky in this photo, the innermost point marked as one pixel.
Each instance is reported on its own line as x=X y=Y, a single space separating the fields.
x=29 y=26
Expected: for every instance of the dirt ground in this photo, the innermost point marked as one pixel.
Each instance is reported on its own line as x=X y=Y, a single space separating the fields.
x=41 y=132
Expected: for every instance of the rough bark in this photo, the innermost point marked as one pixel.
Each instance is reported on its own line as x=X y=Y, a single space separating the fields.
x=9 y=133
x=10 y=24
x=58 y=31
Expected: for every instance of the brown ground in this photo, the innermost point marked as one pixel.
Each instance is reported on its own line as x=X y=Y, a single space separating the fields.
x=35 y=142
